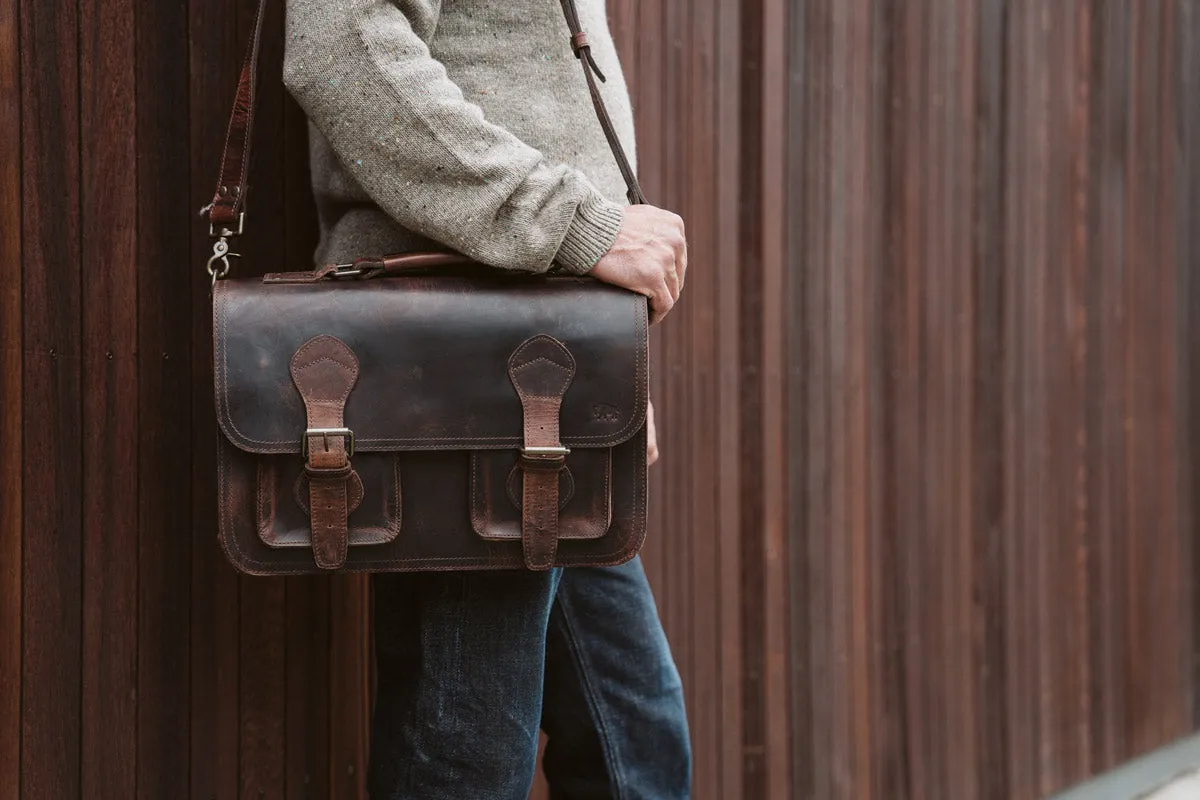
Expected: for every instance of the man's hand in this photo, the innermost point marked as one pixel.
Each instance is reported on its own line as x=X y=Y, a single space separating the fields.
x=651 y=436
x=649 y=257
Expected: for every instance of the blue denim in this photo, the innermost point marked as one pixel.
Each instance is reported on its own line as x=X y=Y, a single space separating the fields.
x=472 y=664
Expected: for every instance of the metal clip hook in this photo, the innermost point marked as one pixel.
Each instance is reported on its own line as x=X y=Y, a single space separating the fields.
x=218 y=262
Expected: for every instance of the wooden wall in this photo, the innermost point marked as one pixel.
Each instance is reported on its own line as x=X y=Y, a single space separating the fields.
x=922 y=528
x=992 y=359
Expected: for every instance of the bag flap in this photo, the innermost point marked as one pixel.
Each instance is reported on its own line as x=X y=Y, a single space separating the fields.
x=433 y=359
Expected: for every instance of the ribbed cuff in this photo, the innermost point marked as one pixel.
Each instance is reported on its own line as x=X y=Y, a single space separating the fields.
x=590 y=235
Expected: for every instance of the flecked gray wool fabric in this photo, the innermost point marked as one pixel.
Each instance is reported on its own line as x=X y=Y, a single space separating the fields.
x=458 y=123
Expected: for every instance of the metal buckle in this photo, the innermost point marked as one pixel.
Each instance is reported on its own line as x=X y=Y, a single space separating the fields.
x=218 y=262
x=354 y=271
x=212 y=231
x=325 y=433
x=545 y=451
x=346 y=271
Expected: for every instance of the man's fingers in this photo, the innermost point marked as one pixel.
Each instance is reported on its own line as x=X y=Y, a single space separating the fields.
x=674 y=284
x=651 y=435
x=681 y=265
x=661 y=302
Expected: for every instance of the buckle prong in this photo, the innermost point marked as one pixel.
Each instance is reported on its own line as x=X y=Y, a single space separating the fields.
x=325 y=433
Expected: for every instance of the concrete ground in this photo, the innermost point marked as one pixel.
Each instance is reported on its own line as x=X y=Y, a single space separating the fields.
x=1185 y=787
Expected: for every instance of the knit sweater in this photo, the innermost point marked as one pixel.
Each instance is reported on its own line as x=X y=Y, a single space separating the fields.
x=461 y=124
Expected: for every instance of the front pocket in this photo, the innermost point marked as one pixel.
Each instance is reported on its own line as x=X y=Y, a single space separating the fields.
x=584 y=494
x=283 y=519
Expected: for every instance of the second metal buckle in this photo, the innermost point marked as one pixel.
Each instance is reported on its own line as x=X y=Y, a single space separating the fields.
x=325 y=433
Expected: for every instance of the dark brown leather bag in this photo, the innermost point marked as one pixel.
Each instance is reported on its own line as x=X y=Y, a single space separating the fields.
x=419 y=412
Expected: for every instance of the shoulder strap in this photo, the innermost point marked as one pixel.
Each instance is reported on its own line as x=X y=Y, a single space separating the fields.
x=227 y=211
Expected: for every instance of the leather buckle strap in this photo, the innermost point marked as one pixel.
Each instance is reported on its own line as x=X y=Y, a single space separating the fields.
x=324 y=371
x=591 y=71
x=541 y=370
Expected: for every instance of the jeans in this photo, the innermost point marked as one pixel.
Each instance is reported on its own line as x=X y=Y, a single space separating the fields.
x=472 y=664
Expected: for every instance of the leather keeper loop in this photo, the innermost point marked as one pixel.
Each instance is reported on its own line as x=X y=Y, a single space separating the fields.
x=543 y=463
x=324 y=473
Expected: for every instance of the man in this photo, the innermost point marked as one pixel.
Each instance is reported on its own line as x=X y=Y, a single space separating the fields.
x=467 y=125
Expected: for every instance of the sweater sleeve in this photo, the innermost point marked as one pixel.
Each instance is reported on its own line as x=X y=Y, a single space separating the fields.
x=364 y=75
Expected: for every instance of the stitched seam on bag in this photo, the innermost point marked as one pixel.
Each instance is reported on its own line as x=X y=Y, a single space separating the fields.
x=227 y=535
x=266 y=524
x=426 y=444
x=555 y=364
x=352 y=368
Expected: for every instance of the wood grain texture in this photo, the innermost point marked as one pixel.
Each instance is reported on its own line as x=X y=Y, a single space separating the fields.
x=216 y=36
x=308 y=688
x=924 y=523
x=349 y=686
x=165 y=260
x=11 y=402
x=1187 y=253
x=262 y=665
x=987 y=254
x=110 y=417
x=52 y=551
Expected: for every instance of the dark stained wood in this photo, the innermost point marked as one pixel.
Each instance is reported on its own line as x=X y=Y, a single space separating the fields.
x=216 y=37
x=1187 y=252
x=1109 y=628
x=52 y=553
x=308 y=688
x=262 y=666
x=923 y=526
x=1155 y=537
x=110 y=419
x=11 y=402
x=724 y=171
x=349 y=686
x=772 y=140
x=987 y=434
x=165 y=261
x=988 y=209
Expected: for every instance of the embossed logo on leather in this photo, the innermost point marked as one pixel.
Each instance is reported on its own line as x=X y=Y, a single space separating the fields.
x=603 y=412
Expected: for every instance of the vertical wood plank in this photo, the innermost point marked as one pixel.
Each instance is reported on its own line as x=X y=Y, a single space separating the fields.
x=690 y=359
x=1149 y=282
x=804 y=68
x=749 y=472
x=215 y=50
x=728 y=373
x=987 y=437
x=774 y=406
x=926 y=287
x=349 y=686
x=1187 y=244
x=11 y=402
x=308 y=688
x=1108 y=627
x=262 y=664
x=1024 y=421
x=53 y=483
x=166 y=262
x=110 y=419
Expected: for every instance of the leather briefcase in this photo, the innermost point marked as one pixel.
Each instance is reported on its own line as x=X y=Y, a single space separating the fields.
x=418 y=412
